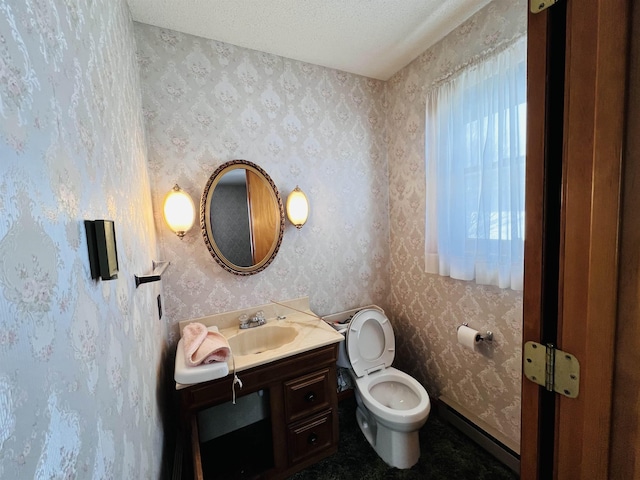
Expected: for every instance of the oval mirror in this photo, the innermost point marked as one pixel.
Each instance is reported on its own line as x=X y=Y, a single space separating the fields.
x=242 y=217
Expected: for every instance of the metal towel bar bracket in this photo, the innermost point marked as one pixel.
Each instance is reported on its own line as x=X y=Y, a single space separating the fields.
x=154 y=276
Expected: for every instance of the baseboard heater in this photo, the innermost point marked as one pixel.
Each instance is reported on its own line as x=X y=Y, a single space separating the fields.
x=481 y=433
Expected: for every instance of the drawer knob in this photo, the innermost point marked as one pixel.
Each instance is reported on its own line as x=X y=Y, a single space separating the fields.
x=312 y=439
x=310 y=397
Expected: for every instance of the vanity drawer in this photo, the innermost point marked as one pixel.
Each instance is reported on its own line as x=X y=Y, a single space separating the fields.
x=311 y=436
x=306 y=395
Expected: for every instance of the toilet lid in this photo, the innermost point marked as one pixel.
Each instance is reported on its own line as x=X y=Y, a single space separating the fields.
x=370 y=342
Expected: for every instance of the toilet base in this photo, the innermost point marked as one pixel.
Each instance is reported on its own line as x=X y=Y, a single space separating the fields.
x=397 y=449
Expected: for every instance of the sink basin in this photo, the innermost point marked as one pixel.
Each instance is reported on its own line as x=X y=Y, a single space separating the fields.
x=261 y=339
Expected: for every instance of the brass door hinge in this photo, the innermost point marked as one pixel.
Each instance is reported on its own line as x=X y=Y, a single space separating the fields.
x=554 y=369
x=536 y=6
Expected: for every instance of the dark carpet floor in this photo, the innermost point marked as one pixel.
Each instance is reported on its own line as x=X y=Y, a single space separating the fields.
x=446 y=454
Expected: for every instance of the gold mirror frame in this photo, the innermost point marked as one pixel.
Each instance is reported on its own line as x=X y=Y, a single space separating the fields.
x=205 y=217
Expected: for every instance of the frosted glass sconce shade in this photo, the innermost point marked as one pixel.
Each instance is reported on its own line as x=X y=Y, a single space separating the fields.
x=179 y=211
x=297 y=207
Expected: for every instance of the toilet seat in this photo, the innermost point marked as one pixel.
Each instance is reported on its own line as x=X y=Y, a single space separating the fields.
x=370 y=342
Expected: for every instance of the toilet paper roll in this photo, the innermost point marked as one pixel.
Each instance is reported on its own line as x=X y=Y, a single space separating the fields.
x=468 y=337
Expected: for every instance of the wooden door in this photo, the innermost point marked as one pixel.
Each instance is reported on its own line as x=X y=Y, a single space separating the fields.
x=625 y=426
x=263 y=216
x=577 y=55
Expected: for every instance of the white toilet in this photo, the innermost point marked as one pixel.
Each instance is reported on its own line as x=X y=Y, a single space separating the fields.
x=392 y=406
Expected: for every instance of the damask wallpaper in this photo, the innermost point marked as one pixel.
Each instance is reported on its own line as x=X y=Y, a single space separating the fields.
x=207 y=102
x=78 y=358
x=426 y=308
x=355 y=146
x=82 y=363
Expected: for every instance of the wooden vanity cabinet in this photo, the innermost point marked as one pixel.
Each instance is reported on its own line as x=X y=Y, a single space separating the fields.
x=303 y=409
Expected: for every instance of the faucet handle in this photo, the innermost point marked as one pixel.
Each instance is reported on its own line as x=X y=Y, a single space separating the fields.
x=243 y=320
x=260 y=318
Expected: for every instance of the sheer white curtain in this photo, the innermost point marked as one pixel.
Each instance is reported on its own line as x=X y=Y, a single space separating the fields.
x=475 y=169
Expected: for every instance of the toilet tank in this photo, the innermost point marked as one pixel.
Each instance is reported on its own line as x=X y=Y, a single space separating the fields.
x=343 y=359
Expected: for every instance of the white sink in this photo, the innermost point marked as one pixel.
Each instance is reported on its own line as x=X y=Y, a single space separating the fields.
x=277 y=339
x=256 y=340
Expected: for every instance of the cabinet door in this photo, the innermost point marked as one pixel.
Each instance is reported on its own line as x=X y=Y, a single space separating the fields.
x=195 y=449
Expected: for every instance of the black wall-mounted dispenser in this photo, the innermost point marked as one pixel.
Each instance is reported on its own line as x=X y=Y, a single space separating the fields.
x=103 y=254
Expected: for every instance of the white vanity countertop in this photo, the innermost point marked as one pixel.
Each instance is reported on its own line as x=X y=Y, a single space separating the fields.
x=312 y=332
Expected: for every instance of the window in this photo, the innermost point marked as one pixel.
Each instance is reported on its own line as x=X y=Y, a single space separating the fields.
x=475 y=163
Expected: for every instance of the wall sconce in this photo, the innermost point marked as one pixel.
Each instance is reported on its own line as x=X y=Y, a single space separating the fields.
x=297 y=207
x=179 y=211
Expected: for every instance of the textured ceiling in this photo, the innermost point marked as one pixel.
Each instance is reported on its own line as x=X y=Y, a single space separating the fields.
x=374 y=38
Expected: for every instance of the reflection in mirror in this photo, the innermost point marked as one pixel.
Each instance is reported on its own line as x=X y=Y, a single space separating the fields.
x=242 y=217
x=230 y=218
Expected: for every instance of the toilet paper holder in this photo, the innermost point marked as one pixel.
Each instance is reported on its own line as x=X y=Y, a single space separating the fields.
x=487 y=337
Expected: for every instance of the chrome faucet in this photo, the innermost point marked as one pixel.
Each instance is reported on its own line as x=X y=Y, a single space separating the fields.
x=251 y=322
